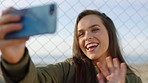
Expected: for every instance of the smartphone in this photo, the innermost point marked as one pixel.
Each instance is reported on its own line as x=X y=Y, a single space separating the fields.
x=36 y=20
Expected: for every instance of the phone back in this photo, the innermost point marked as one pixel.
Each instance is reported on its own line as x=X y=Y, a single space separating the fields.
x=36 y=20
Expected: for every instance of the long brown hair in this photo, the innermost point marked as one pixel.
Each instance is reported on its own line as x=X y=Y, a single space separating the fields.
x=84 y=66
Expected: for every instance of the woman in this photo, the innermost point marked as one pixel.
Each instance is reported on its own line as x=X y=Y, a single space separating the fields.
x=95 y=41
x=96 y=54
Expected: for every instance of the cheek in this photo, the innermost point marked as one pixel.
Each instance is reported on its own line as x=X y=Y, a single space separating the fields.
x=107 y=39
x=81 y=44
x=106 y=42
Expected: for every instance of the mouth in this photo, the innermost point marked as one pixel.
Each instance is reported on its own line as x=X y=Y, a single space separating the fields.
x=91 y=46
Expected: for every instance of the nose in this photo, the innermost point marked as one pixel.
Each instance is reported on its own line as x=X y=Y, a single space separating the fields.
x=88 y=36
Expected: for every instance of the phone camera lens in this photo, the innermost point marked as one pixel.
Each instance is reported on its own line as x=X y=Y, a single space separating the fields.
x=52 y=9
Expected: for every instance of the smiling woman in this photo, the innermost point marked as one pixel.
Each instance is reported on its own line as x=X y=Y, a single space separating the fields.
x=96 y=54
x=96 y=43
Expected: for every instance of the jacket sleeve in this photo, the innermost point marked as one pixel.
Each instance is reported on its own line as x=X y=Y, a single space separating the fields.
x=53 y=73
x=26 y=72
x=13 y=73
x=131 y=78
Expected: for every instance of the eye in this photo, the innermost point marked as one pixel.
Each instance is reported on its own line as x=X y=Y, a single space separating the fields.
x=94 y=30
x=81 y=34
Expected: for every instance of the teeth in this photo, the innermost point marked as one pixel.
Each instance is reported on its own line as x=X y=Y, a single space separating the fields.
x=90 y=45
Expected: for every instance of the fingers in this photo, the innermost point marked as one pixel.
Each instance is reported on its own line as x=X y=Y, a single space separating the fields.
x=103 y=69
x=4 y=29
x=110 y=64
x=100 y=78
x=9 y=18
x=8 y=9
x=6 y=43
x=116 y=64
x=123 y=72
x=110 y=67
x=8 y=23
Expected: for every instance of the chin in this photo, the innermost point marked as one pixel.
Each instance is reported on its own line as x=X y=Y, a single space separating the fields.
x=92 y=57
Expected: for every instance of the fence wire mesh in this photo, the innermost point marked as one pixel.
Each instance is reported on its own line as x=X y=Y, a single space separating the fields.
x=129 y=16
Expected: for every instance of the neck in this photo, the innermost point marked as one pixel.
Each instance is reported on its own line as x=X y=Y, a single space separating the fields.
x=101 y=60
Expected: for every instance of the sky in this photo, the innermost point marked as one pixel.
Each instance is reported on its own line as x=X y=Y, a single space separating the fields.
x=129 y=16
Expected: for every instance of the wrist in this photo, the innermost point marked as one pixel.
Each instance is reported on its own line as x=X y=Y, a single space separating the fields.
x=15 y=57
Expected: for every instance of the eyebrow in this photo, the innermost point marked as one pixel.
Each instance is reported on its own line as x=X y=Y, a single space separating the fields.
x=89 y=27
x=94 y=25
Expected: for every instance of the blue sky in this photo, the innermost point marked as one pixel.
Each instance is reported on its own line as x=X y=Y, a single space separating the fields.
x=129 y=16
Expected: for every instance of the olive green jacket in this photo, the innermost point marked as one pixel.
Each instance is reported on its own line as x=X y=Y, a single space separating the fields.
x=26 y=72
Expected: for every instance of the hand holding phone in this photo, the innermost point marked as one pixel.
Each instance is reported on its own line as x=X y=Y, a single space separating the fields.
x=35 y=20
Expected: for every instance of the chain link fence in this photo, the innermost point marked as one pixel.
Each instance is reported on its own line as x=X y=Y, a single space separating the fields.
x=130 y=18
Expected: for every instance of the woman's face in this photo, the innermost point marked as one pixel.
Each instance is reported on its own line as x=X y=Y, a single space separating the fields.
x=93 y=37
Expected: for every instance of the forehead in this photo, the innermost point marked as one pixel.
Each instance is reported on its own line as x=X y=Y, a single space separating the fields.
x=89 y=20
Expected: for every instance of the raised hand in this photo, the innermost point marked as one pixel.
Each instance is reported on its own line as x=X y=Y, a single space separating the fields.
x=12 y=49
x=115 y=72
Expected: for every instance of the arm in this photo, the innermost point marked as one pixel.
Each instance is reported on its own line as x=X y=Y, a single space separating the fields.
x=52 y=73
x=17 y=65
x=15 y=72
x=26 y=72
